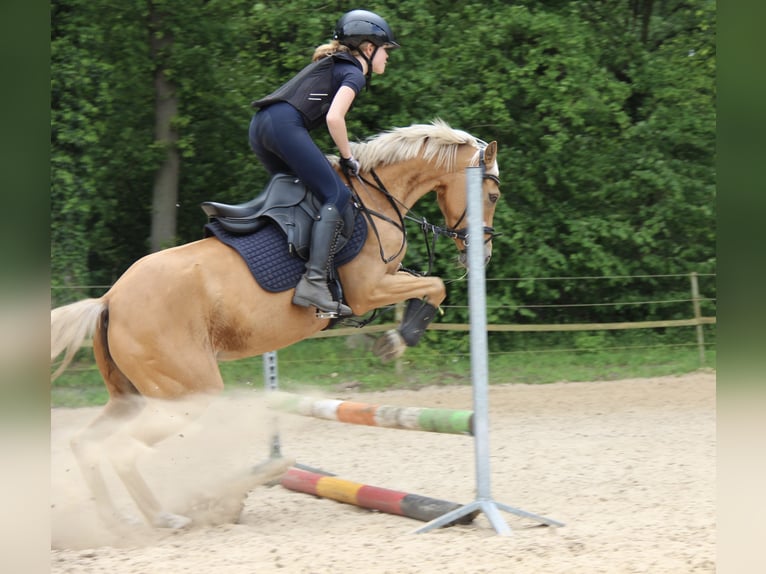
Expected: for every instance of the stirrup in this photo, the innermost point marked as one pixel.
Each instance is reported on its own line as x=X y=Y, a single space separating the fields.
x=327 y=314
x=330 y=314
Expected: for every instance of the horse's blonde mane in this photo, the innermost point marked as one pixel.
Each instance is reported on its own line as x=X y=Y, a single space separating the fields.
x=437 y=141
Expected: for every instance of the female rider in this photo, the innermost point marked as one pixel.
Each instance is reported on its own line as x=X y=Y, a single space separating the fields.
x=322 y=92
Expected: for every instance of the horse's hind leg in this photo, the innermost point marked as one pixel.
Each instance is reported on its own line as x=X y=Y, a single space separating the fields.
x=131 y=423
x=177 y=388
x=87 y=447
x=156 y=422
x=125 y=403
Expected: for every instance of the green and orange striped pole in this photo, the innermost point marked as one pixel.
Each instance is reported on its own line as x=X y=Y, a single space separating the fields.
x=413 y=418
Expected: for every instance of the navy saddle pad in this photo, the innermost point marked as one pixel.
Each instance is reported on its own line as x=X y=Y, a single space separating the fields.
x=268 y=258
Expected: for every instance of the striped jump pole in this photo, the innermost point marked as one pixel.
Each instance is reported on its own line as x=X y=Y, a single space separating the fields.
x=385 y=500
x=448 y=421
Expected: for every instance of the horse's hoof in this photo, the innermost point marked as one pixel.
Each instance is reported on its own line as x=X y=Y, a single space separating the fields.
x=389 y=346
x=170 y=520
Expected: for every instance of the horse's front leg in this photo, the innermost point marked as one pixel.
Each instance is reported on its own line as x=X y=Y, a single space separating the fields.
x=422 y=295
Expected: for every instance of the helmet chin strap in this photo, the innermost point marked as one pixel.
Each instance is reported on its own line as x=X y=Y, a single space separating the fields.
x=368 y=75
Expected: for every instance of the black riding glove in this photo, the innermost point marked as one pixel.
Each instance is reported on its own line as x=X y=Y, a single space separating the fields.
x=349 y=165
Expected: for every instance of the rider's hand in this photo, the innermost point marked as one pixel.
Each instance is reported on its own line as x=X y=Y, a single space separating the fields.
x=349 y=165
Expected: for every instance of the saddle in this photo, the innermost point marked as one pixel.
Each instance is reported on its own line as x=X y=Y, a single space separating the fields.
x=287 y=203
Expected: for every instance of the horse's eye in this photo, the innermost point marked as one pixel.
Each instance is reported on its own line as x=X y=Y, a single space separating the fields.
x=493 y=197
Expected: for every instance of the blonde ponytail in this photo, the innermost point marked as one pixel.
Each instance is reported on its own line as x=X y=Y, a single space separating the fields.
x=332 y=47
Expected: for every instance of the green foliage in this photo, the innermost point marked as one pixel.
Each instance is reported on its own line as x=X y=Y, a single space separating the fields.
x=101 y=159
x=604 y=113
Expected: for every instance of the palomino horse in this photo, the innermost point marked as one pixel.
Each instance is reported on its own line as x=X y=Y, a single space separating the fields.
x=161 y=329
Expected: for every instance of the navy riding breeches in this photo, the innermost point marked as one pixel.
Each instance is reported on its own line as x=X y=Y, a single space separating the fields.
x=279 y=139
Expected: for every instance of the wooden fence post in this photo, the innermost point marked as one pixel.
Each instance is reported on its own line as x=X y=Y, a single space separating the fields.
x=698 y=316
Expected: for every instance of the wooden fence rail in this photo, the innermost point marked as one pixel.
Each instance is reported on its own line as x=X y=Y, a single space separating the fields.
x=345 y=331
x=697 y=321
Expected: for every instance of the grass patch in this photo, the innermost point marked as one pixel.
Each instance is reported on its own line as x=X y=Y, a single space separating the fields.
x=334 y=364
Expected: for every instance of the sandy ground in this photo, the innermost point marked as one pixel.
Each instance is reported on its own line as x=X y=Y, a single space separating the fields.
x=628 y=466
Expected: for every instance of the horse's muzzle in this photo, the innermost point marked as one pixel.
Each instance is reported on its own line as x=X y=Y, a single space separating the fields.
x=463 y=257
x=462 y=234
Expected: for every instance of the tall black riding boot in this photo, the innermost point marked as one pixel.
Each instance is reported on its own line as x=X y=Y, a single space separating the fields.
x=312 y=289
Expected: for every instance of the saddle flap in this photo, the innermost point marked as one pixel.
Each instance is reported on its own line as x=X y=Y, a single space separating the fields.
x=283 y=191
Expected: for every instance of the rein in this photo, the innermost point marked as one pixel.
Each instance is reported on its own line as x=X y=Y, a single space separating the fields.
x=369 y=213
x=435 y=230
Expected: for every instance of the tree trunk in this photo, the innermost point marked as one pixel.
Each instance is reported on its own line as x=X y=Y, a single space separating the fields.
x=642 y=12
x=165 y=190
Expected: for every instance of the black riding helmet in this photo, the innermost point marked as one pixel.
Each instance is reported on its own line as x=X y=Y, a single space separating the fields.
x=358 y=26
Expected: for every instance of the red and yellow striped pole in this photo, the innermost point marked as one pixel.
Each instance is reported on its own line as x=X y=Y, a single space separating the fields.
x=385 y=500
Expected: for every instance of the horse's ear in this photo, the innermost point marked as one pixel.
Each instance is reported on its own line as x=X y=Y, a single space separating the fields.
x=490 y=153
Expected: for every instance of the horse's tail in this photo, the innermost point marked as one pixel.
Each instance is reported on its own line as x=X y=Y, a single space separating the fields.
x=70 y=326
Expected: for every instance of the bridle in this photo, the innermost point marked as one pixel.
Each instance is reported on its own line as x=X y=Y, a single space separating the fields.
x=436 y=231
x=462 y=232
